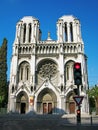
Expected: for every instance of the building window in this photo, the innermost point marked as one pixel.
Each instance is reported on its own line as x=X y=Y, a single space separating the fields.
x=30 y=29
x=24 y=71
x=48 y=69
x=27 y=73
x=66 y=38
x=67 y=73
x=21 y=73
x=24 y=33
x=71 y=32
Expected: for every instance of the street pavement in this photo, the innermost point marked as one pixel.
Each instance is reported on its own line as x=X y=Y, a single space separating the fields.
x=46 y=122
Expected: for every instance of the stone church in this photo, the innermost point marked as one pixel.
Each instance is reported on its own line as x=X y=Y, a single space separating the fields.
x=41 y=73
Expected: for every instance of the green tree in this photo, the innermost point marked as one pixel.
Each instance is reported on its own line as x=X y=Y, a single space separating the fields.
x=3 y=72
x=93 y=93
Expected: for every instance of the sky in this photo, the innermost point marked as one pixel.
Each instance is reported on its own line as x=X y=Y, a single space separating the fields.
x=48 y=12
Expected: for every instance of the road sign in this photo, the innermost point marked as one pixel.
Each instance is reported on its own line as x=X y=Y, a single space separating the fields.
x=78 y=99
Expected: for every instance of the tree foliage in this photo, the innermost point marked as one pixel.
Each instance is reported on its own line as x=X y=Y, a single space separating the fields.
x=3 y=72
x=93 y=93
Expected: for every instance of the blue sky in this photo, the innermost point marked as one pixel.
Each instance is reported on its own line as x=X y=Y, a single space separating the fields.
x=48 y=12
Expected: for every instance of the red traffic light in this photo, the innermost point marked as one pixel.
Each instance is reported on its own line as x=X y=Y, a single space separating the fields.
x=78 y=116
x=77 y=65
x=77 y=73
x=78 y=111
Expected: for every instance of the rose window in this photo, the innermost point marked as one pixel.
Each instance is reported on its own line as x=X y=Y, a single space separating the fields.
x=48 y=70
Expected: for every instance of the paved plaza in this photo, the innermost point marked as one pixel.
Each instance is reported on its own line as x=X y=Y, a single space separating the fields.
x=46 y=122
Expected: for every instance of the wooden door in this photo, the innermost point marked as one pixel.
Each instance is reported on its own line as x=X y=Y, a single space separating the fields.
x=49 y=108
x=72 y=107
x=44 y=108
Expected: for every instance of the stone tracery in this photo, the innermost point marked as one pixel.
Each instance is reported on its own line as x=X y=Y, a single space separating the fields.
x=48 y=70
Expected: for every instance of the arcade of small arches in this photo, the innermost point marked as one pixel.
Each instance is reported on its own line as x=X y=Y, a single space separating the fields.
x=49 y=49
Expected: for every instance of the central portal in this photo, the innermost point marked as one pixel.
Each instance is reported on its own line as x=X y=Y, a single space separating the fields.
x=47 y=108
x=46 y=102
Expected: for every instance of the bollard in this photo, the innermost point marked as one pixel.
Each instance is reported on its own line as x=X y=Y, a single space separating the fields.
x=91 y=119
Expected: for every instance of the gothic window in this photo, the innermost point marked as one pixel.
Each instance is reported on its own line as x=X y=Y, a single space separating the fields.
x=24 y=33
x=66 y=32
x=21 y=73
x=24 y=71
x=71 y=32
x=69 y=71
x=12 y=89
x=31 y=88
x=72 y=71
x=27 y=73
x=30 y=28
x=48 y=70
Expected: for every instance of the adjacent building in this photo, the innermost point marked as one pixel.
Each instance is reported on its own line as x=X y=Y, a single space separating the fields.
x=41 y=74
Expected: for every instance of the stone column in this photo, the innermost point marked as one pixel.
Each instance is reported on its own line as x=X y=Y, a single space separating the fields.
x=60 y=31
x=74 y=32
x=19 y=33
x=62 y=104
x=35 y=33
x=68 y=32
x=78 y=32
x=22 y=32
x=32 y=33
x=16 y=36
x=57 y=32
x=63 y=29
x=12 y=104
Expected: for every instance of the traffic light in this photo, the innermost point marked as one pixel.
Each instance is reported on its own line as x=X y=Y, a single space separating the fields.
x=77 y=73
x=78 y=116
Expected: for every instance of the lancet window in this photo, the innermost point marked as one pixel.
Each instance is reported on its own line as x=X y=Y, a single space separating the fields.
x=68 y=31
x=30 y=29
x=66 y=37
x=69 y=71
x=24 y=71
x=24 y=33
x=71 y=32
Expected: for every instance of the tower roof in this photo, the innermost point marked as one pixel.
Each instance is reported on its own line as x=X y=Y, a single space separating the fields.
x=67 y=18
x=28 y=19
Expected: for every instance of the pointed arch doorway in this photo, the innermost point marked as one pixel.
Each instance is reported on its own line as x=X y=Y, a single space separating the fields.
x=46 y=101
x=70 y=103
x=22 y=103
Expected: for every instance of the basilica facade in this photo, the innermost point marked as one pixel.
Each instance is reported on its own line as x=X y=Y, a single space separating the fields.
x=41 y=73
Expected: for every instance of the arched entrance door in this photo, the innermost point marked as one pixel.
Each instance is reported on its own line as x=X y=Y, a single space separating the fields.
x=46 y=102
x=22 y=103
x=70 y=103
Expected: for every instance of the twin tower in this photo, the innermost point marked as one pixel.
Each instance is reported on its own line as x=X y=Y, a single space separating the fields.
x=28 y=30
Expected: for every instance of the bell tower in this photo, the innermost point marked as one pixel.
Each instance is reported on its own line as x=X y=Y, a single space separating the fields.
x=27 y=30
x=68 y=29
